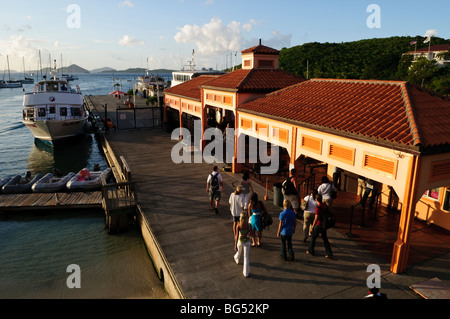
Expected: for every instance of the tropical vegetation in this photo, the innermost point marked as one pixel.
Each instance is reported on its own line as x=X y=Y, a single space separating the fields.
x=380 y=58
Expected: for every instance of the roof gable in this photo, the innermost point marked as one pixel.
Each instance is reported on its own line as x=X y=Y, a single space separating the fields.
x=261 y=49
x=254 y=80
x=190 y=89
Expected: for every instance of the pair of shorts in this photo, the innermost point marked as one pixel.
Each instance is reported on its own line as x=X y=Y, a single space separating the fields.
x=214 y=195
x=294 y=200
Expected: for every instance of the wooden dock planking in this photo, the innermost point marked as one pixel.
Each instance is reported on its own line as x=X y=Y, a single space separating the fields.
x=25 y=202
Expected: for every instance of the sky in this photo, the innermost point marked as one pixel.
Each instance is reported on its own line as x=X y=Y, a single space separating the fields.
x=162 y=34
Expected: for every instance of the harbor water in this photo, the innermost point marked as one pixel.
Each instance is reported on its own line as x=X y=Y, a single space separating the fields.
x=36 y=248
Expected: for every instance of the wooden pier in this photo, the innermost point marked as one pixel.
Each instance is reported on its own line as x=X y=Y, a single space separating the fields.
x=37 y=201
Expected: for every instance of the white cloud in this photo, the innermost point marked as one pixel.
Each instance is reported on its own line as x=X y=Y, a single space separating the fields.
x=213 y=37
x=431 y=33
x=130 y=41
x=126 y=4
x=249 y=26
x=279 y=40
x=209 y=2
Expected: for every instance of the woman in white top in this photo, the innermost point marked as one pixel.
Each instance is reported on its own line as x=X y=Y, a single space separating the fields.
x=325 y=191
x=247 y=190
x=236 y=207
x=309 y=214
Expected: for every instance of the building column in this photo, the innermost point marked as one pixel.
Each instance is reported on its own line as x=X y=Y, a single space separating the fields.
x=204 y=120
x=236 y=167
x=293 y=148
x=399 y=260
x=181 y=122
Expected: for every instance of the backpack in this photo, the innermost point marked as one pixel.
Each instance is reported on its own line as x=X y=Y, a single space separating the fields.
x=288 y=188
x=266 y=219
x=214 y=182
x=328 y=219
x=333 y=192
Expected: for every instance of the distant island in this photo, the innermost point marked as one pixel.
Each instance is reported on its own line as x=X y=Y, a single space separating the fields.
x=132 y=70
x=72 y=69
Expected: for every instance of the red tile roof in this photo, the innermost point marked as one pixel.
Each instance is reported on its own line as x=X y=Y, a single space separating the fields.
x=190 y=89
x=432 y=115
x=261 y=49
x=433 y=48
x=253 y=80
x=383 y=111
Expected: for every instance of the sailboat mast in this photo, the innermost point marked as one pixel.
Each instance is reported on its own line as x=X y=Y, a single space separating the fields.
x=9 y=72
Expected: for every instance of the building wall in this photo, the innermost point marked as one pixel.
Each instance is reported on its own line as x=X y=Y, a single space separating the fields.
x=391 y=168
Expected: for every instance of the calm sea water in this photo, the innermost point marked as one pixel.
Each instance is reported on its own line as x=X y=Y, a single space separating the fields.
x=37 y=248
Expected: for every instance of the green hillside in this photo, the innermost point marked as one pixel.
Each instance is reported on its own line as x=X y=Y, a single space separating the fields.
x=379 y=59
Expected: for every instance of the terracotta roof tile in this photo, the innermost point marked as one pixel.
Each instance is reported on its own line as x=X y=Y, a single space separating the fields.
x=432 y=115
x=254 y=80
x=190 y=89
x=385 y=110
x=261 y=49
x=433 y=48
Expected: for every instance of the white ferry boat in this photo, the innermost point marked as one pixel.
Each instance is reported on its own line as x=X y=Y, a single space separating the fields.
x=190 y=72
x=151 y=85
x=54 y=111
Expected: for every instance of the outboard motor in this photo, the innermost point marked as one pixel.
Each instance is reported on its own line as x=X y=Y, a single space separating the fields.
x=56 y=172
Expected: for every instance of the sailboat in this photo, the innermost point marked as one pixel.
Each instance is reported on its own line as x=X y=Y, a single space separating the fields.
x=67 y=76
x=10 y=83
x=25 y=80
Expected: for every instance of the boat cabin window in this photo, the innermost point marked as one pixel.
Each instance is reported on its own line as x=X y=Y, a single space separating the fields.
x=52 y=110
x=63 y=111
x=52 y=86
x=30 y=113
x=76 y=111
x=41 y=112
x=42 y=87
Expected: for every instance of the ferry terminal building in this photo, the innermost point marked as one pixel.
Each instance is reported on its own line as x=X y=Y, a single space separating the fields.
x=387 y=131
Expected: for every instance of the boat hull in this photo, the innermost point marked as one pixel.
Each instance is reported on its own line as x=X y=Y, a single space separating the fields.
x=51 y=184
x=11 y=85
x=3 y=182
x=51 y=131
x=95 y=183
x=15 y=185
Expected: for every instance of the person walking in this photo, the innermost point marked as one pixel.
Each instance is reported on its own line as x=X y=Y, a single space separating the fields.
x=255 y=209
x=214 y=186
x=290 y=190
x=236 y=207
x=286 y=228
x=325 y=189
x=337 y=178
x=318 y=229
x=247 y=190
x=372 y=190
x=242 y=243
x=308 y=214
